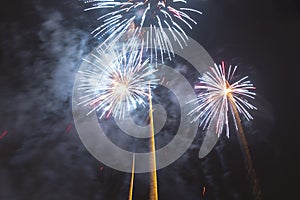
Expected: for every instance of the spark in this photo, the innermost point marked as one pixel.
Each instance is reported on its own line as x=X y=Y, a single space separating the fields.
x=117 y=82
x=219 y=96
x=68 y=128
x=203 y=191
x=3 y=134
x=124 y=17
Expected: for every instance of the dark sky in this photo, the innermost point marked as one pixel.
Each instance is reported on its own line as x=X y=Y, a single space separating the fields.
x=41 y=156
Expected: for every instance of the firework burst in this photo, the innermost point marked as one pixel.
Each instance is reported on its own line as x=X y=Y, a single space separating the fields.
x=219 y=97
x=117 y=81
x=130 y=16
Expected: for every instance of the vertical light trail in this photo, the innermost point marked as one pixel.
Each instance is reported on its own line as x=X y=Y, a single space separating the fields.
x=153 y=178
x=132 y=178
x=246 y=152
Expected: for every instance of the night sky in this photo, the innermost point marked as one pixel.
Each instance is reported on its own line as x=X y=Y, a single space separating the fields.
x=41 y=156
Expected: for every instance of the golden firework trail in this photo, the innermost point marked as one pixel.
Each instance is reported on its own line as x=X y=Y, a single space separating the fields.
x=246 y=152
x=132 y=178
x=153 y=178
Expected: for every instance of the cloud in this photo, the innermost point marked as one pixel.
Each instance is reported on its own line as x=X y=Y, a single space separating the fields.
x=41 y=160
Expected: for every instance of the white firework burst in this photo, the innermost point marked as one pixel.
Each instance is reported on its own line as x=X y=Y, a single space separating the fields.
x=117 y=82
x=218 y=97
x=130 y=16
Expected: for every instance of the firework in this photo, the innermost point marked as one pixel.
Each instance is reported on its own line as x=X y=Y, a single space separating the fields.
x=117 y=81
x=219 y=97
x=124 y=17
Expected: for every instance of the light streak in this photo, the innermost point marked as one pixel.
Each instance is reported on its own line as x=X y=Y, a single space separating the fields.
x=3 y=134
x=132 y=178
x=246 y=152
x=69 y=127
x=153 y=182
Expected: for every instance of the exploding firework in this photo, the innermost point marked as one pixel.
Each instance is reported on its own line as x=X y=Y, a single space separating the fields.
x=130 y=16
x=219 y=97
x=118 y=81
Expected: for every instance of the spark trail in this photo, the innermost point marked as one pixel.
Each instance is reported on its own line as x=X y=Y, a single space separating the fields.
x=3 y=134
x=132 y=178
